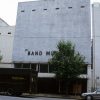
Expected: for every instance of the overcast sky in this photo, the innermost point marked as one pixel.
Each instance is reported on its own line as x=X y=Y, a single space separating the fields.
x=8 y=10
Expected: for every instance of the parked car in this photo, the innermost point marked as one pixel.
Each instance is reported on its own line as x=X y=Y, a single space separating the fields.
x=92 y=95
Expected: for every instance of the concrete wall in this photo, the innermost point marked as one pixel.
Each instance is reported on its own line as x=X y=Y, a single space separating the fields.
x=6 y=43
x=96 y=37
x=41 y=24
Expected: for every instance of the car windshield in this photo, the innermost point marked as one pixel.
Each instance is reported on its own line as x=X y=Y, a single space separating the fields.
x=98 y=90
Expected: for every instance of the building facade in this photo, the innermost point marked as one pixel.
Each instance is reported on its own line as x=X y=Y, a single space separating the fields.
x=96 y=44
x=41 y=25
x=6 y=44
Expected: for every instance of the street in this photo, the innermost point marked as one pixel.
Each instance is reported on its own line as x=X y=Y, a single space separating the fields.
x=26 y=98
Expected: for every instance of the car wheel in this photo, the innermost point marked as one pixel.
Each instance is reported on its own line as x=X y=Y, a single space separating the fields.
x=89 y=97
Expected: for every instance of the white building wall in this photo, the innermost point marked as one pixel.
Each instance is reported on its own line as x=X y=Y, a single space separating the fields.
x=41 y=24
x=96 y=38
x=6 y=43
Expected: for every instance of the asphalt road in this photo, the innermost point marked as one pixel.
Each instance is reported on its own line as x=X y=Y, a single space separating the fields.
x=32 y=98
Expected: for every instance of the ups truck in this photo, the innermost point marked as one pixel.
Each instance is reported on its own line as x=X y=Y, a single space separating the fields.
x=15 y=81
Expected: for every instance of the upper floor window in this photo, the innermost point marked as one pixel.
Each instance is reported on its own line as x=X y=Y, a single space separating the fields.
x=44 y=9
x=57 y=8
x=9 y=32
x=69 y=7
x=22 y=10
x=34 y=10
x=82 y=6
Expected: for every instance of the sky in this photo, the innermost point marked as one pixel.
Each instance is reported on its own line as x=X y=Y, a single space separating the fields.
x=8 y=10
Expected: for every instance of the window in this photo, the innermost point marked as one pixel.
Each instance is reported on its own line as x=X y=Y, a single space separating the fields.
x=18 y=65
x=44 y=68
x=22 y=10
x=85 y=70
x=44 y=9
x=9 y=32
x=82 y=6
x=57 y=8
x=34 y=10
x=26 y=65
x=33 y=66
x=51 y=69
x=98 y=90
x=69 y=7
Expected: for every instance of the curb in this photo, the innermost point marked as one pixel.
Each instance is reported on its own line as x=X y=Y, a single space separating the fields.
x=52 y=96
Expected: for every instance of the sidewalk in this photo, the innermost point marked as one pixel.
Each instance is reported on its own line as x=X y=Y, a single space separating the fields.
x=53 y=96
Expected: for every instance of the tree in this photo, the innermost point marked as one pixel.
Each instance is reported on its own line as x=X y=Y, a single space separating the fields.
x=66 y=62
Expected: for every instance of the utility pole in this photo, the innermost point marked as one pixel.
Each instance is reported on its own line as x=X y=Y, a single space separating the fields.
x=93 y=51
x=93 y=65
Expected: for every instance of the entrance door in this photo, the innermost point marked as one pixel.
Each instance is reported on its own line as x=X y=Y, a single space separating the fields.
x=47 y=85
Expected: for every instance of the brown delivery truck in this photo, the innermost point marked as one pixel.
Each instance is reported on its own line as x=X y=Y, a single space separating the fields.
x=16 y=81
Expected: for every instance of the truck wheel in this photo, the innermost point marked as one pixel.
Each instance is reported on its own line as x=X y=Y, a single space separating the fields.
x=10 y=91
x=18 y=93
x=89 y=97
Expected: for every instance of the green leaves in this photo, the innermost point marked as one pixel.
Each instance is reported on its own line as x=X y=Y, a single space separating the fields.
x=66 y=62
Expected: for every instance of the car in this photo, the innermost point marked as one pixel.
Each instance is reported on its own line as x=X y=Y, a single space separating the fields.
x=91 y=95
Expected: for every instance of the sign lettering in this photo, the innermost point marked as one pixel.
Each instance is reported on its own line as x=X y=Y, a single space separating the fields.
x=38 y=53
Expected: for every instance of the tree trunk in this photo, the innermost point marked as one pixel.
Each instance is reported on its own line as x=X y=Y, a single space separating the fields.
x=59 y=87
x=67 y=85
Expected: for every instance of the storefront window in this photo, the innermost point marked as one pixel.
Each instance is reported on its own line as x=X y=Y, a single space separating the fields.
x=34 y=66
x=26 y=65
x=43 y=68
x=18 y=65
x=51 y=69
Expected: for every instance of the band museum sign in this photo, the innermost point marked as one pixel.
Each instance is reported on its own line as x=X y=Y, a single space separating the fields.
x=38 y=53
